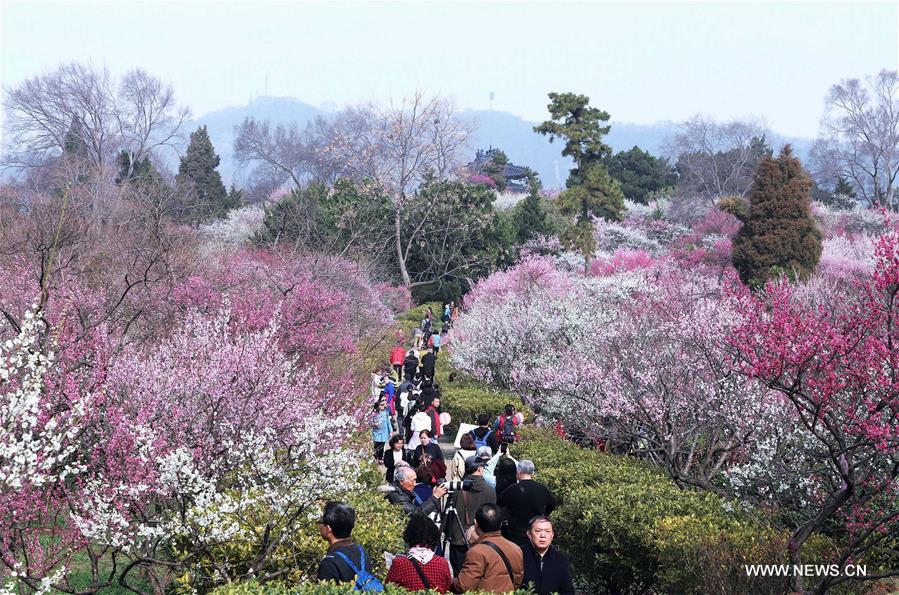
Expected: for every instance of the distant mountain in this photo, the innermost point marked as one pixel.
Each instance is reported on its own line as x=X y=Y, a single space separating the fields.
x=514 y=135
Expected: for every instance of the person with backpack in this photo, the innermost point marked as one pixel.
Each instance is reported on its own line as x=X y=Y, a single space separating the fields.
x=483 y=435
x=506 y=427
x=345 y=561
x=456 y=469
x=420 y=568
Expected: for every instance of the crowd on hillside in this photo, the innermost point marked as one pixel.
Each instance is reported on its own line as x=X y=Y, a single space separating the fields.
x=476 y=523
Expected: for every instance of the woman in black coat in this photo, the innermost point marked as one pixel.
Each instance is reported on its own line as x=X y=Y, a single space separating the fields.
x=394 y=454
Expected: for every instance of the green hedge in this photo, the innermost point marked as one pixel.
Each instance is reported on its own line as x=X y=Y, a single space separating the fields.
x=627 y=527
x=254 y=588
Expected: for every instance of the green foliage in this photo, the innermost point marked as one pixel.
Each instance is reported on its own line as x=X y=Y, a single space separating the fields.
x=142 y=171
x=779 y=235
x=628 y=528
x=844 y=187
x=379 y=528
x=198 y=173
x=459 y=237
x=734 y=205
x=466 y=398
x=494 y=168
x=580 y=125
x=529 y=216
x=640 y=173
x=292 y=218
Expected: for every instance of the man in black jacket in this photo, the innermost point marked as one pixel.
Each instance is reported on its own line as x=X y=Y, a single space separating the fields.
x=335 y=527
x=467 y=504
x=402 y=494
x=546 y=569
x=523 y=501
x=410 y=366
x=428 y=363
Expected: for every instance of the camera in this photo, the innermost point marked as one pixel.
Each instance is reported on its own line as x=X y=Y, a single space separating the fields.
x=457 y=484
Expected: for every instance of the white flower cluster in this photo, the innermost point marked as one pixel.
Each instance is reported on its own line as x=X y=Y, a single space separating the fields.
x=36 y=444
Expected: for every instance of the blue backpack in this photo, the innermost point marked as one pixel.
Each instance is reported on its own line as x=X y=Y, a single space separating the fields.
x=365 y=581
x=479 y=442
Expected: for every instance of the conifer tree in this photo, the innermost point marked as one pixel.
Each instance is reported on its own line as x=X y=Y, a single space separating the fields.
x=844 y=188
x=529 y=216
x=779 y=234
x=591 y=191
x=197 y=170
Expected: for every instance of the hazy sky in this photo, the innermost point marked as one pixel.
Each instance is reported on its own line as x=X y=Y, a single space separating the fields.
x=640 y=61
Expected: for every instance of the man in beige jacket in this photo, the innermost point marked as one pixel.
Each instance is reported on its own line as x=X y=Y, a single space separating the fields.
x=493 y=564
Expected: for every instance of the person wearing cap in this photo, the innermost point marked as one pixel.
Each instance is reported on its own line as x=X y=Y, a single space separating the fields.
x=546 y=569
x=467 y=503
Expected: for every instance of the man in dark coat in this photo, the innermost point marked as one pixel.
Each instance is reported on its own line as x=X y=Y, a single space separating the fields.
x=428 y=363
x=402 y=494
x=523 y=501
x=467 y=504
x=410 y=366
x=546 y=569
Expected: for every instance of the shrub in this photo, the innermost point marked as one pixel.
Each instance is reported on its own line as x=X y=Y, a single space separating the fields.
x=379 y=528
x=465 y=399
x=628 y=528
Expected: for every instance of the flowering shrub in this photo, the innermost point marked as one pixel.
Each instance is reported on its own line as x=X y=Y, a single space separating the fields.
x=836 y=367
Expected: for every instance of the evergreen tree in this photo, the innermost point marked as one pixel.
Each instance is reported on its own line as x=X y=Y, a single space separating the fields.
x=844 y=188
x=141 y=171
x=640 y=173
x=590 y=192
x=779 y=234
x=529 y=216
x=197 y=170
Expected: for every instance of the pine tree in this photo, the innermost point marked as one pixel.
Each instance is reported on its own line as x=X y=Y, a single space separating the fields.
x=844 y=188
x=529 y=216
x=197 y=171
x=779 y=234
x=591 y=191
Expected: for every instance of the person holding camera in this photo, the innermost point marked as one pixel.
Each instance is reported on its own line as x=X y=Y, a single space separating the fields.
x=462 y=534
x=493 y=563
x=402 y=494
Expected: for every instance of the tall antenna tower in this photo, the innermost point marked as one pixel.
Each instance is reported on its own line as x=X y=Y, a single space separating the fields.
x=491 y=101
x=266 y=84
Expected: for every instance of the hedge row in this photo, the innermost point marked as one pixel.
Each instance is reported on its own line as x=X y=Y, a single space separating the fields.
x=628 y=528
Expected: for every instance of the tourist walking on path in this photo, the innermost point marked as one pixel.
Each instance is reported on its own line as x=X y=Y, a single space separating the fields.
x=493 y=563
x=506 y=427
x=462 y=534
x=428 y=364
x=523 y=501
x=397 y=355
x=484 y=435
x=546 y=569
x=420 y=568
x=381 y=428
x=395 y=454
x=456 y=468
x=428 y=450
x=345 y=561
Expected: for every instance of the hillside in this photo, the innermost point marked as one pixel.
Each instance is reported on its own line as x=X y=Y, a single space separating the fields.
x=512 y=134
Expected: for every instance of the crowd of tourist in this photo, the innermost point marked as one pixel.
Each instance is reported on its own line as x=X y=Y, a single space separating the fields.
x=479 y=522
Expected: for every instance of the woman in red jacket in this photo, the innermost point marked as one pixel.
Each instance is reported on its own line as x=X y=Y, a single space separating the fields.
x=420 y=568
x=396 y=360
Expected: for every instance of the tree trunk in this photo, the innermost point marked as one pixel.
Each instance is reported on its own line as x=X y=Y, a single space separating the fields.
x=398 y=242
